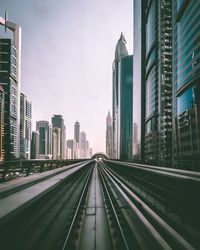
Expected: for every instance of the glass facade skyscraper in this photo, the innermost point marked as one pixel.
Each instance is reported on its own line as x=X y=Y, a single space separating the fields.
x=139 y=80
x=157 y=84
x=45 y=139
x=58 y=122
x=35 y=145
x=166 y=78
x=186 y=82
x=120 y=52
x=126 y=108
x=10 y=79
x=122 y=102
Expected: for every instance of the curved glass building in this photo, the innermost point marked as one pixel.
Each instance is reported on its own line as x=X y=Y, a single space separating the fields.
x=157 y=66
x=122 y=102
x=186 y=69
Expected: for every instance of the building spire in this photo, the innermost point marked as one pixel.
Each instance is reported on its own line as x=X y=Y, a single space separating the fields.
x=122 y=37
x=121 y=49
x=109 y=119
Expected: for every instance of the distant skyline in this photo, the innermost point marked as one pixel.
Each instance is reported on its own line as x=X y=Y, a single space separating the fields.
x=67 y=54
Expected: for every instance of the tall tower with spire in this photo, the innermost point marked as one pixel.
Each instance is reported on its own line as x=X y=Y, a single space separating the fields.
x=109 y=135
x=120 y=52
x=10 y=79
x=122 y=101
x=121 y=49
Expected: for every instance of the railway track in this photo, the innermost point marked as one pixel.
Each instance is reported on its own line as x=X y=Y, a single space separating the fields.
x=41 y=225
x=178 y=189
x=96 y=207
x=158 y=230
x=180 y=210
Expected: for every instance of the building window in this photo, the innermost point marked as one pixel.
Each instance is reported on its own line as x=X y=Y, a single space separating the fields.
x=186 y=100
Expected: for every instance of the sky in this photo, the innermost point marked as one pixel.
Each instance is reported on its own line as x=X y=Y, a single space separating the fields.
x=67 y=54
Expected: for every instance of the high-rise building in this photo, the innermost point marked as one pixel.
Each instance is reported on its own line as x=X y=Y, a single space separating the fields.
x=109 y=135
x=25 y=127
x=10 y=78
x=56 y=143
x=186 y=79
x=2 y=103
x=166 y=76
x=77 y=132
x=83 y=145
x=58 y=122
x=77 y=139
x=139 y=79
x=50 y=141
x=71 y=145
x=120 y=52
x=122 y=102
x=156 y=79
x=45 y=139
x=126 y=108
x=35 y=145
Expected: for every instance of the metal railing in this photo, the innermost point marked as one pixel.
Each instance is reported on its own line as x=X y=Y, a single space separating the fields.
x=20 y=167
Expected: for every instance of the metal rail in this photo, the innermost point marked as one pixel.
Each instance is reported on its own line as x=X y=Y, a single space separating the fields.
x=85 y=189
x=114 y=211
x=172 y=172
x=23 y=166
x=27 y=234
x=179 y=190
x=16 y=189
x=148 y=217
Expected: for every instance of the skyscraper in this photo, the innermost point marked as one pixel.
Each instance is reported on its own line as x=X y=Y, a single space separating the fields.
x=56 y=138
x=83 y=145
x=77 y=139
x=25 y=127
x=139 y=79
x=2 y=103
x=35 y=145
x=120 y=52
x=71 y=145
x=167 y=45
x=109 y=135
x=45 y=139
x=58 y=122
x=77 y=132
x=126 y=108
x=156 y=80
x=10 y=79
x=122 y=102
x=186 y=79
